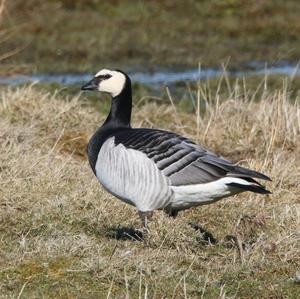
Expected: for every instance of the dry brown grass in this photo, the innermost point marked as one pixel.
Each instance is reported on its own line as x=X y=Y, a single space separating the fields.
x=56 y=221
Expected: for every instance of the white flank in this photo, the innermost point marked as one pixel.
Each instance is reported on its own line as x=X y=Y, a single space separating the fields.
x=131 y=176
x=201 y=194
x=114 y=85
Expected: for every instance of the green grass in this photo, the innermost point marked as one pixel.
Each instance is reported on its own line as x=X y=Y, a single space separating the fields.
x=57 y=223
x=77 y=36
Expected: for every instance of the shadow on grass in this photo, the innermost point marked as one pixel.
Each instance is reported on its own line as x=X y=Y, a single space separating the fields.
x=124 y=233
x=129 y=233
x=113 y=232
x=205 y=237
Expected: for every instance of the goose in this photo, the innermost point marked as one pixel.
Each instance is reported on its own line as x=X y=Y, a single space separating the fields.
x=152 y=169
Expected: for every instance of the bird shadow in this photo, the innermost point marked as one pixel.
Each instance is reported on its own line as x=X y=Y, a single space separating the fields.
x=125 y=233
x=205 y=237
x=129 y=233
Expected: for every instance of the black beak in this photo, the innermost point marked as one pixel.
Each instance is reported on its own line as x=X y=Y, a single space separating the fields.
x=91 y=85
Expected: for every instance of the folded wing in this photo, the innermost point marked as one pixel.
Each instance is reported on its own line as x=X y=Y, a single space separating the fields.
x=182 y=161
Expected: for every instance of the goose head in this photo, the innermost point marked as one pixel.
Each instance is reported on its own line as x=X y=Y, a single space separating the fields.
x=109 y=81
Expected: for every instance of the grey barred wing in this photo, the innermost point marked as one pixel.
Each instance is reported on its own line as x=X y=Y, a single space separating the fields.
x=180 y=159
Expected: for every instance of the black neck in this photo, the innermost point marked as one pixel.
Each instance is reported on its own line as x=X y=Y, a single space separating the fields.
x=118 y=119
x=120 y=109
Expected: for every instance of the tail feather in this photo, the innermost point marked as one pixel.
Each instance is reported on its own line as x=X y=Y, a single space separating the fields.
x=251 y=187
x=245 y=172
x=234 y=170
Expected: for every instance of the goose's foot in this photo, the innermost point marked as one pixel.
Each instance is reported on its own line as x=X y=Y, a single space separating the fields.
x=145 y=218
x=205 y=236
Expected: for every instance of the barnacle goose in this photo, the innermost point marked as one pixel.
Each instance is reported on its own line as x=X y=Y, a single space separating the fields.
x=153 y=169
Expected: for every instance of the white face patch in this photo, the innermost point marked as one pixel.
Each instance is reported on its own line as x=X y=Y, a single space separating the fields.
x=113 y=85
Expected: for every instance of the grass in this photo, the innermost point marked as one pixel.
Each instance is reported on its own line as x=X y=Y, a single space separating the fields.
x=57 y=224
x=79 y=36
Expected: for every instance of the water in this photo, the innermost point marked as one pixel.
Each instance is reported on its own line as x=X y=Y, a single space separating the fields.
x=159 y=77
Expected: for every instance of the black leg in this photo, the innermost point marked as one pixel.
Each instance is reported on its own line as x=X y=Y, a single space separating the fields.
x=145 y=218
x=171 y=213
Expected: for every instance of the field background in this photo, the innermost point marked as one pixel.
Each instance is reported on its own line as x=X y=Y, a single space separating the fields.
x=60 y=231
x=82 y=35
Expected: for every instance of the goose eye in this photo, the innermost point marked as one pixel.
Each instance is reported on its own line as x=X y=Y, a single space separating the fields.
x=106 y=76
x=102 y=77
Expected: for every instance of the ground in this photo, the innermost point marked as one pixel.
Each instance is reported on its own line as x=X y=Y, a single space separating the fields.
x=59 y=228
